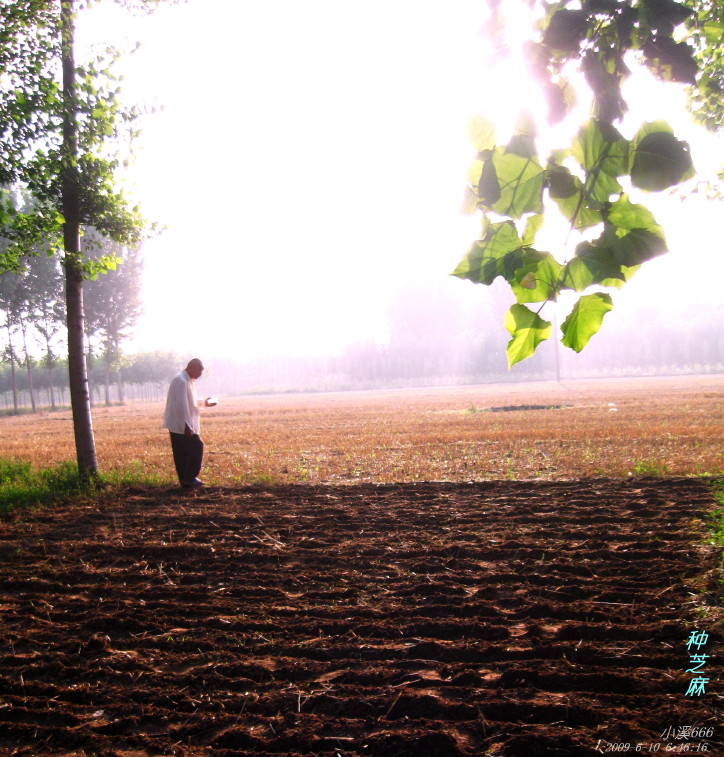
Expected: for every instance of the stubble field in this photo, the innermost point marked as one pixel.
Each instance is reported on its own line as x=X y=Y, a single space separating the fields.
x=670 y=426
x=388 y=589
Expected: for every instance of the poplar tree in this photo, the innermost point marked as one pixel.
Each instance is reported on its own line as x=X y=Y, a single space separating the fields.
x=62 y=130
x=112 y=307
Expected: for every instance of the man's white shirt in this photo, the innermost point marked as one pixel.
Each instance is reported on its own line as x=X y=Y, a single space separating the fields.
x=182 y=407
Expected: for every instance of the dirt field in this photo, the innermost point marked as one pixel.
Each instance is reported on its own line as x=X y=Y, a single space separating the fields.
x=671 y=426
x=416 y=620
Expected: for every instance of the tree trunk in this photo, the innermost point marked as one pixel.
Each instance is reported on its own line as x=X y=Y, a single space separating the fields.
x=108 y=384
x=31 y=388
x=49 y=368
x=13 y=377
x=121 y=388
x=77 y=373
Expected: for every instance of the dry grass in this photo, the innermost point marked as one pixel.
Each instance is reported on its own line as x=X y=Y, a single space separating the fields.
x=667 y=426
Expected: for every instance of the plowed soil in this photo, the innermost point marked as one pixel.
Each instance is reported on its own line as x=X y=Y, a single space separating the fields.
x=504 y=618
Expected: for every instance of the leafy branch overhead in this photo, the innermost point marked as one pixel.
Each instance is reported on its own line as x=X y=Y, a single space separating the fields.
x=33 y=106
x=587 y=181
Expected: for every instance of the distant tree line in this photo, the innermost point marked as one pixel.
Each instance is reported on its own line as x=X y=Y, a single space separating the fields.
x=141 y=377
x=439 y=338
x=33 y=335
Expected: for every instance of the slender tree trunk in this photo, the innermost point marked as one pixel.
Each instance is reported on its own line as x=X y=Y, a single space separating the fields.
x=51 y=389
x=77 y=373
x=49 y=368
x=45 y=333
x=90 y=365
x=121 y=388
x=13 y=377
x=31 y=388
x=108 y=384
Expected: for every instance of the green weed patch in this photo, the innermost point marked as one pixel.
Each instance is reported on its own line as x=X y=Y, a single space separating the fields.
x=21 y=486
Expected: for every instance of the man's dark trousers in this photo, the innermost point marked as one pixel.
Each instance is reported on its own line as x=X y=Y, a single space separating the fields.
x=188 y=452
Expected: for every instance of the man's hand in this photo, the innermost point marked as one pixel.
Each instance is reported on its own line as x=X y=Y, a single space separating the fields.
x=188 y=431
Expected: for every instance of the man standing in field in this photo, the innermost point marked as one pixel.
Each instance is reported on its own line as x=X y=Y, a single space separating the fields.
x=183 y=422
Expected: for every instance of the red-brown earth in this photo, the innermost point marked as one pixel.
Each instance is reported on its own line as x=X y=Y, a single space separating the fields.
x=505 y=618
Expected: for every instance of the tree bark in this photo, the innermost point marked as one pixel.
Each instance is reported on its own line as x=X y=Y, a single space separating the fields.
x=28 y=367
x=13 y=377
x=108 y=384
x=49 y=369
x=121 y=388
x=51 y=390
x=77 y=372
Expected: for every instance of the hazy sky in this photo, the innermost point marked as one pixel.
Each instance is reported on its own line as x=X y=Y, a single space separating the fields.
x=310 y=156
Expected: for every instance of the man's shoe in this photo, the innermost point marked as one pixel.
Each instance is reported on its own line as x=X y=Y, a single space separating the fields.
x=192 y=484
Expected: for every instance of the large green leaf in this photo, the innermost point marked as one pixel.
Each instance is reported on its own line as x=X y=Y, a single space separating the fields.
x=579 y=274
x=481 y=133
x=523 y=140
x=632 y=234
x=658 y=159
x=600 y=145
x=528 y=330
x=567 y=30
x=596 y=263
x=486 y=258
x=600 y=187
x=511 y=184
x=670 y=60
x=585 y=320
x=568 y=193
x=475 y=172
x=603 y=154
x=532 y=227
x=537 y=279
x=665 y=15
x=560 y=98
x=604 y=70
x=625 y=274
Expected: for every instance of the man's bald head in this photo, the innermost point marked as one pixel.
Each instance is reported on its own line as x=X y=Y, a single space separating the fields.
x=195 y=368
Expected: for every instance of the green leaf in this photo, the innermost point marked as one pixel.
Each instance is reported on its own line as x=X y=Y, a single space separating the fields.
x=488 y=186
x=481 y=134
x=658 y=160
x=600 y=145
x=579 y=274
x=532 y=227
x=470 y=201
x=604 y=70
x=568 y=193
x=486 y=258
x=596 y=263
x=637 y=247
x=528 y=330
x=670 y=60
x=665 y=15
x=537 y=279
x=560 y=98
x=602 y=152
x=523 y=140
x=566 y=30
x=475 y=172
x=632 y=233
x=585 y=320
x=713 y=32
x=511 y=184
x=624 y=275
